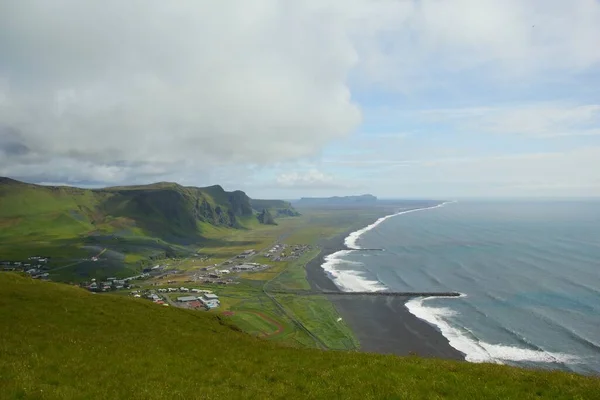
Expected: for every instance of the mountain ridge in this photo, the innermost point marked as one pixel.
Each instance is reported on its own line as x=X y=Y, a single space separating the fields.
x=136 y=222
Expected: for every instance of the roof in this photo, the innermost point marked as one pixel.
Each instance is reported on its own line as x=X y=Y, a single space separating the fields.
x=187 y=298
x=210 y=296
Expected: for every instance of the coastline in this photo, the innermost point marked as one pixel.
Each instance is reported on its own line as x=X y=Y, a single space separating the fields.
x=381 y=324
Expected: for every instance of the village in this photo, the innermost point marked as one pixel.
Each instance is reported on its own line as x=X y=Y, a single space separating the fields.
x=143 y=284
x=194 y=298
x=35 y=266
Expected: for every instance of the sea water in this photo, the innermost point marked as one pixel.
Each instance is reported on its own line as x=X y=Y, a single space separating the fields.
x=529 y=273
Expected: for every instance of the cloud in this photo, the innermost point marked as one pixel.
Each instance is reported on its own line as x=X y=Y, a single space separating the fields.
x=541 y=120
x=421 y=43
x=116 y=86
x=311 y=179
x=119 y=91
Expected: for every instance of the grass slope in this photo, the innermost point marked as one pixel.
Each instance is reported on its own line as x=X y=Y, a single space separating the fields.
x=60 y=342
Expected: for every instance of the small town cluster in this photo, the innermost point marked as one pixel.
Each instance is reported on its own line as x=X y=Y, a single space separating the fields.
x=194 y=298
x=284 y=252
x=36 y=266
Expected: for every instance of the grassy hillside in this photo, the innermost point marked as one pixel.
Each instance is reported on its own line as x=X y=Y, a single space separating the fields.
x=136 y=222
x=60 y=342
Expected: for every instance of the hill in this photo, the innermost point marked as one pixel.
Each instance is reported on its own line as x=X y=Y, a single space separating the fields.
x=134 y=222
x=337 y=200
x=61 y=342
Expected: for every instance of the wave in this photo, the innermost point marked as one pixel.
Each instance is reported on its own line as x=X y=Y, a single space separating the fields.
x=478 y=351
x=350 y=241
x=349 y=280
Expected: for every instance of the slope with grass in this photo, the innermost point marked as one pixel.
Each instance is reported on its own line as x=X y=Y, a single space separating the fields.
x=61 y=342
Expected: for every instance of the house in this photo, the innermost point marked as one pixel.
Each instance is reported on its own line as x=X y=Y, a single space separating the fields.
x=210 y=297
x=246 y=254
x=244 y=267
x=184 y=289
x=196 y=291
x=185 y=299
x=211 y=304
x=171 y=289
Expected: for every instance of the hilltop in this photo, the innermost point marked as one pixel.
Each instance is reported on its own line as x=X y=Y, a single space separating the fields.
x=133 y=222
x=61 y=342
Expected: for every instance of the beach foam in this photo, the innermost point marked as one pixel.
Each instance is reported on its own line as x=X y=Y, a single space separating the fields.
x=478 y=351
x=349 y=280
x=351 y=239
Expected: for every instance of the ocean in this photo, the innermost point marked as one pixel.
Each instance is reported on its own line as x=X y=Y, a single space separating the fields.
x=529 y=273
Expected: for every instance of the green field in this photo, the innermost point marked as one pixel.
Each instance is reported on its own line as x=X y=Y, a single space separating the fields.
x=61 y=342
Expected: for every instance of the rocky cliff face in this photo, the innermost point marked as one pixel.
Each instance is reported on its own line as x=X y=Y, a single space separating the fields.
x=266 y=218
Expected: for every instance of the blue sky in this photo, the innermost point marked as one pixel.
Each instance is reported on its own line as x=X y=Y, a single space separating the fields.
x=424 y=98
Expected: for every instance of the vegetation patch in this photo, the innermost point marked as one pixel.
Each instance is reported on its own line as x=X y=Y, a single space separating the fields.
x=61 y=342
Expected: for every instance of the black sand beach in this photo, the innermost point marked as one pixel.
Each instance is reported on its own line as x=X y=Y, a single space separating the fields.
x=382 y=324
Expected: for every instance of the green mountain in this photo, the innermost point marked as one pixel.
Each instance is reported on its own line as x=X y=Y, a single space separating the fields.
x=62 y=342
x=134 y=222
x=277 y=208
x=165 y=210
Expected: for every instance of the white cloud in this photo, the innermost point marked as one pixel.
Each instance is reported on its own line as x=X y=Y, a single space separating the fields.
x=308 y=179
x=154 y=82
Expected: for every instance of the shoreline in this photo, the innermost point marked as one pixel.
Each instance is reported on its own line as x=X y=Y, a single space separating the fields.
x=382 y=324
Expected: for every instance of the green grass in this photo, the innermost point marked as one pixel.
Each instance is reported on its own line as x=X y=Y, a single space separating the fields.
x=320 y=317
x=61 y=342
x=254 y=323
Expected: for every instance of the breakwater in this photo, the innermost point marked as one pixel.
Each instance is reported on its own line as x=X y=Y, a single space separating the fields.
x=392 y=294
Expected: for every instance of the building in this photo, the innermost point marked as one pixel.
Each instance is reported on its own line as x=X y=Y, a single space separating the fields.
x=210 y=305
x=210 y=297
x=185 y=299
x=244 y=267
x=246 y=254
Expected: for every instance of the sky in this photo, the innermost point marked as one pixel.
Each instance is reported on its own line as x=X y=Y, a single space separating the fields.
x=285 y=99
